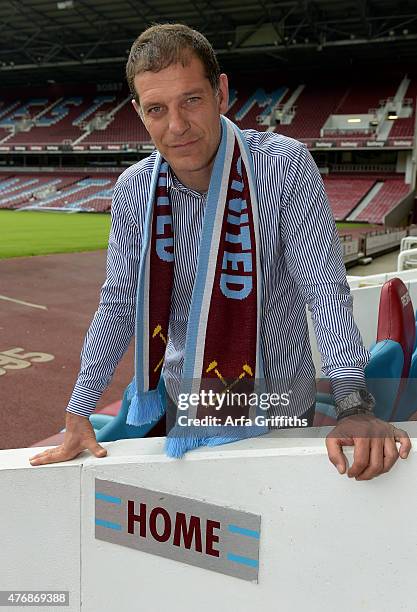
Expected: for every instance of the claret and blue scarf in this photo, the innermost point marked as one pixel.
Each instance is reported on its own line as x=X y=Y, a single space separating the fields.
x=222 y=351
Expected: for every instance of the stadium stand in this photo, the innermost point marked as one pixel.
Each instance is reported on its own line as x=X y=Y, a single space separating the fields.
x=29 y=110
x=313 y=107
x=57 y=125
x=390 y=194
x=257 y=107
x=85 y=119
x=404 y=128
x=69 y=118
x=66 y=192
x=93 y=193
x=345 y=192
x=125 y=128
x=361 y=97
x=23 y=188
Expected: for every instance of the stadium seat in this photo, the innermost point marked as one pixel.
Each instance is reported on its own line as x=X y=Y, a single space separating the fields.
x=391 y=356
x=408 y=402
x=396 y=321
x=117 y=429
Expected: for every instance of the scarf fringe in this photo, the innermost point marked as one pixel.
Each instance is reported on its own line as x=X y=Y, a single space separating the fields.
x=145 y=407
x=182 y=439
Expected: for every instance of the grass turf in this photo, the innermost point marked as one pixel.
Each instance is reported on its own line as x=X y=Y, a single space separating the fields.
x=343 y=226
x=34 y=233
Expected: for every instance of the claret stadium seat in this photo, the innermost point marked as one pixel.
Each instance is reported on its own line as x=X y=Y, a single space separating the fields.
x=117 y=429
x=407 y=408
x=391 y=359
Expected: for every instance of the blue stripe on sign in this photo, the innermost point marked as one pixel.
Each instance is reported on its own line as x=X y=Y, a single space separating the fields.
x=242 y=560
x=109 y=498
x=108 y=524
x=242 y=531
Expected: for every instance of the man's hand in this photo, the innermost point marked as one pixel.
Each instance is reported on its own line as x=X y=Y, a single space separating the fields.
x=375 y=446
x=79 y=435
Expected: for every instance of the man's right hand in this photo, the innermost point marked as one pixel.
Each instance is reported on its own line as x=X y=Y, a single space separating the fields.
x=79 y=435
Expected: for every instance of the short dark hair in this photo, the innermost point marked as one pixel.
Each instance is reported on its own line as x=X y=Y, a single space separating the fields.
x=170 y=43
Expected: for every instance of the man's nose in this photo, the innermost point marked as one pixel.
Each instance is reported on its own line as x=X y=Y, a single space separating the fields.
x=178 y=123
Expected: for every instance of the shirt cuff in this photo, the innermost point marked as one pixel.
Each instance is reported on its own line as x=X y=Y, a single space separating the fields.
x=83 y=401
x=345 y=381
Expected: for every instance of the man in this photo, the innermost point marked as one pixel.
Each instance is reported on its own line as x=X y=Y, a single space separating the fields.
x=180 y=96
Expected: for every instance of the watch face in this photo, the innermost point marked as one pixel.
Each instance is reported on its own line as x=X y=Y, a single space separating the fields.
x=366 y=397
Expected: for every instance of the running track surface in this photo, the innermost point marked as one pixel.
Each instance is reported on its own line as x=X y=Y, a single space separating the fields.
x=33 y=399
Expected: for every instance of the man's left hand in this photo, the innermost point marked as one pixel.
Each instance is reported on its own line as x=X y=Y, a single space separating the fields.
x=375 y=445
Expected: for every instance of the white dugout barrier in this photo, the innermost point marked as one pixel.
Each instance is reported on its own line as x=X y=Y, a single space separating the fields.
x=317 y=540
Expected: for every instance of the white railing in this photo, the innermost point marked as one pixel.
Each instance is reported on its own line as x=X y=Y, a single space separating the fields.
x=408 y=242
x=407 y=259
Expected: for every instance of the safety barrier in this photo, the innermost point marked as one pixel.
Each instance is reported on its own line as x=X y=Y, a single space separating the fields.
x=263 y=524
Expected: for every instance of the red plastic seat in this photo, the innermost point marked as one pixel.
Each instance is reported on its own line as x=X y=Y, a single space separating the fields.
x=396 y=322
x=389 y=366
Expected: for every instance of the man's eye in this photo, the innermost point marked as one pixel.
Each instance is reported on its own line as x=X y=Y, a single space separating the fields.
x=154 y=110
x=193 y=99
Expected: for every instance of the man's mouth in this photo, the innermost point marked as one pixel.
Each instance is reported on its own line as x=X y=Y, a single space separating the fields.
x=184 y=144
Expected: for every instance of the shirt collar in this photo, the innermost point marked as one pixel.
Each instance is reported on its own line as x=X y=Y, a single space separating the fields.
x=174 y=183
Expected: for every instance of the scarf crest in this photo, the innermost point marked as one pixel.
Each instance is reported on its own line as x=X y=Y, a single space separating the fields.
x=222 y=351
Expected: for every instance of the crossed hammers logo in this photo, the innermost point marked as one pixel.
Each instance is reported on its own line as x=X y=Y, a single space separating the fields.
x=158 y=332
x=246 y=370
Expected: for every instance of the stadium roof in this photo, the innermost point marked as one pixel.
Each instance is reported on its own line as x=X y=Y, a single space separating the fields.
x=73 y=40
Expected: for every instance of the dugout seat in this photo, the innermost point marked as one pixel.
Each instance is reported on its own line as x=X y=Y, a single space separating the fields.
x=117 y=428
x=407 y=408
x=391 y=359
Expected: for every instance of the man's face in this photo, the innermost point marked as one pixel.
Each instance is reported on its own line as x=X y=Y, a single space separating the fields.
x=181 y=112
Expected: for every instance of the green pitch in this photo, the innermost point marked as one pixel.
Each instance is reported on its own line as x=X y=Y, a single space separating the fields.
x=344 y=226
x=38 y=233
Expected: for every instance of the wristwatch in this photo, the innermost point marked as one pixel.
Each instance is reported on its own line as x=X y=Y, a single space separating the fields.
x=358 y=402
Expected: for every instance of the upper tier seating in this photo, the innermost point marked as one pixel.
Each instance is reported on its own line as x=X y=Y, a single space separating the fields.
x=404 y=128
x=258 y=103
x=361 y=97
x=19 y=111
x=63 y=118
x=313 y=107
x=67 y=111
x=63 y=122
x=125 y=128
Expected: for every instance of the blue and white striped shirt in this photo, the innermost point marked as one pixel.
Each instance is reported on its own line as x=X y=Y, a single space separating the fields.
x=301 y=262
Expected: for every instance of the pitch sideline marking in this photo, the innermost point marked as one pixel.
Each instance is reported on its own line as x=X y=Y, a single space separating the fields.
x=8 y=299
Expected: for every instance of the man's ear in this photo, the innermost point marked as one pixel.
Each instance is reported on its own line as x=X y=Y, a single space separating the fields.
x=223 y=93
x=137 y=108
